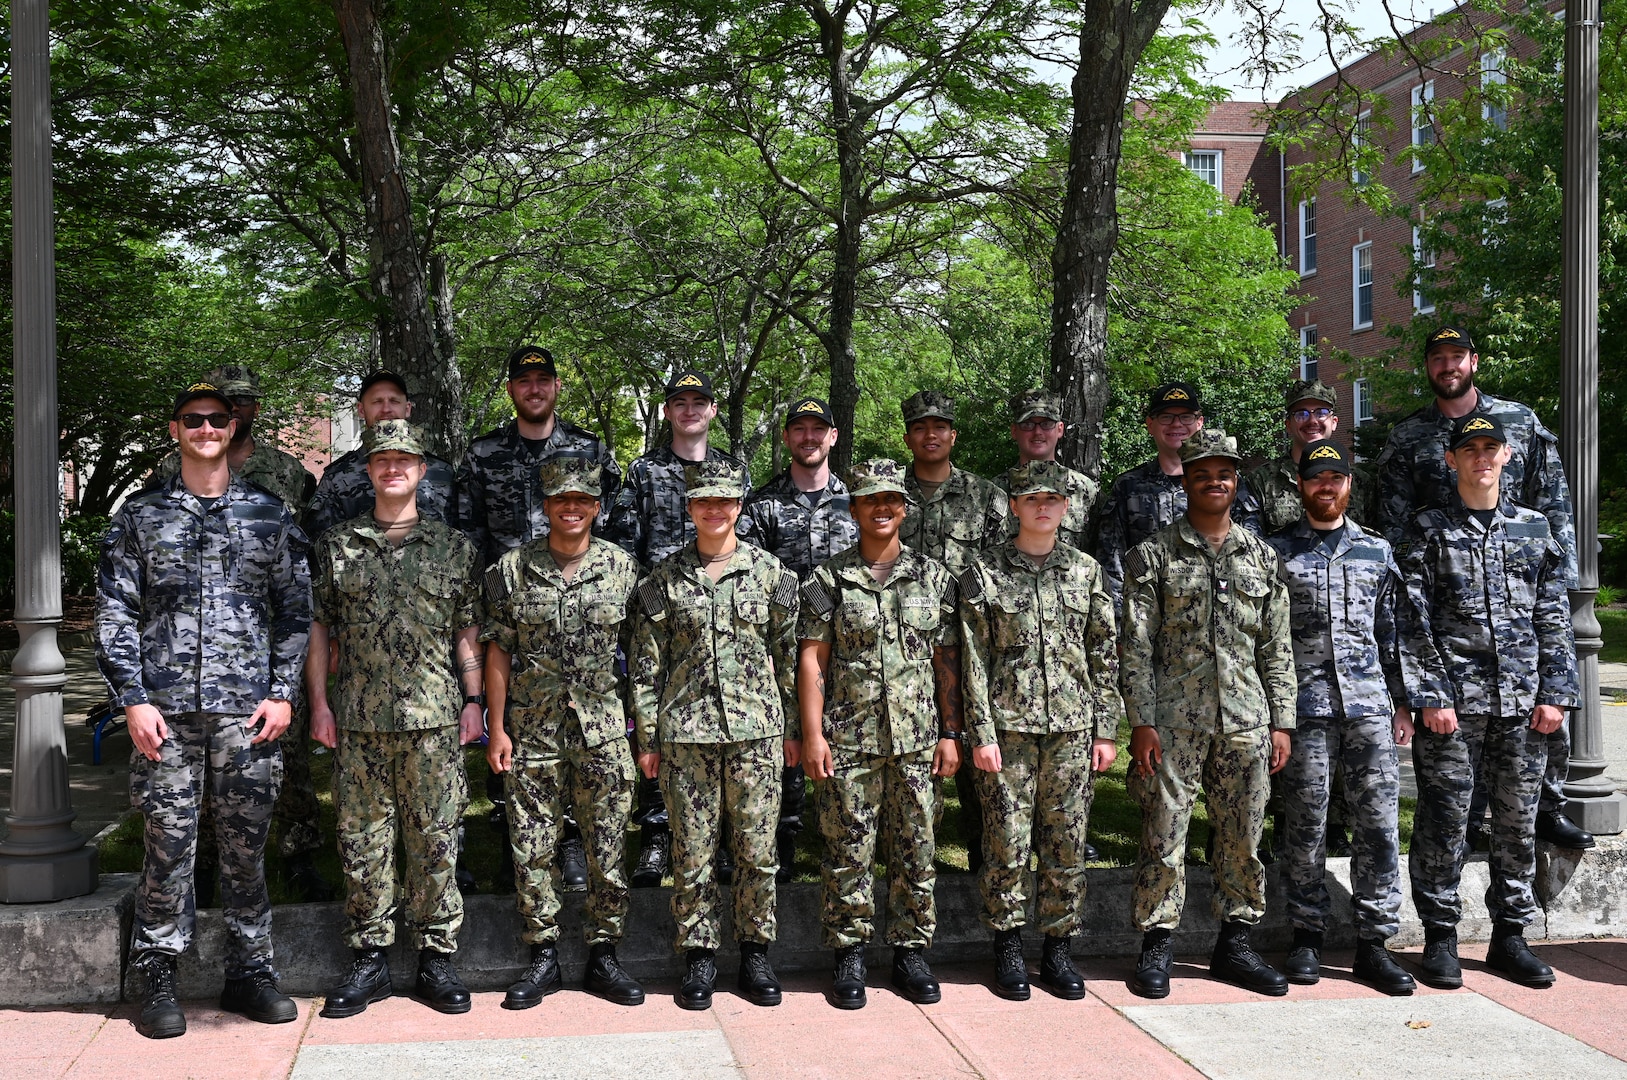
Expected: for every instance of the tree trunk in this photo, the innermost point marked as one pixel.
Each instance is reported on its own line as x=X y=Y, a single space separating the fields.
x=1114 y=35
x=408 y=343
x=844 y=287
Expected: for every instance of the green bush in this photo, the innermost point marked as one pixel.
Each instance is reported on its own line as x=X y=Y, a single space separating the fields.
x=81 y=549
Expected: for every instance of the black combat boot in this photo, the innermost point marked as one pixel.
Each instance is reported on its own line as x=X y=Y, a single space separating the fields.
x=786 y=842
x=573 y=861
x=306 y=882
x=1510 y=955
x=653 y=856
x=1151 y=979
x=1376 y=967
x=912 y=976
x=847 y=987
x=1056 y=969
x=1235 y=961
x=1089 y=853
x=606 y=977
x=756 y=978
x=1554 y=827
x=725 y=865
x=541 y=978
x=1010 y=969
x=438 y=985
x=1439 y=967
x=1304 y=964
x=1338 y=841
x=161 y=1016
x=257 y=997
x=367 y=982
x=699 y=980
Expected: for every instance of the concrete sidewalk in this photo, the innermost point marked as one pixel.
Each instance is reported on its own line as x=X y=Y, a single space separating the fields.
x=1339 y=1028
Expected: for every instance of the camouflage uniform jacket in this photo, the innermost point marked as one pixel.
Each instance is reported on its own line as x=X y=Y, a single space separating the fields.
x=1344 y=621
x=499 y=488
x=203 y=609
x=715 y=663
x=650 y=519
x=777 y=520
x=1205 y=635
x=1413 y=474
x=562 y=635
x=1040 y=651
x=346 y=491
x=949 y=526
x=1001 y=526
x=266 y=467
x=1276 y=486
x=394 y=613
x=1143 y=500
x=879 y=691
x=1496 y=635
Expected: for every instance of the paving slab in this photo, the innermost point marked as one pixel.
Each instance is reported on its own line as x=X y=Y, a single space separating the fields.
x=1585 y=1001
x=665 y=1055
x=1440 y=1037
x=216 y=1044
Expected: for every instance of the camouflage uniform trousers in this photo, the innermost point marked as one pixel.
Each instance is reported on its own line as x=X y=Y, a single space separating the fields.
x=406 y=785
x=206 y=753
x=1513 y=756
x=1039 y=802
x=1364 y=748
x=866 y=798
x=1552 y=797
x=550 y=774
x=698 y=780
x=1233 y=770
x=297 y=812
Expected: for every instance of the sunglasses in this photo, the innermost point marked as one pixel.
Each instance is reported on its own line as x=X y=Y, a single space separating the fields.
x=195 y=420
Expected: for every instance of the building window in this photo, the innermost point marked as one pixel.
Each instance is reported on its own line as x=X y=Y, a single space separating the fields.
x=1307 y=237
x=1493 y=110
x=1423 y=123
x=1361 y=285
x=1423 y=258
x=1206 y=164
x=1307 y=353
x=1358 y=143
x=1362 y=405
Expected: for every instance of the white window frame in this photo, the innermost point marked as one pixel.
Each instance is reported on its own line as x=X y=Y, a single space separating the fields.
x=1307 y=237
x=1361 y=403
x=1219 y=158
x=1424 y=259
x=1358 y=143
x=1356 y=286
x=1423 y=134
x=1492 y=73
x=1308 y=358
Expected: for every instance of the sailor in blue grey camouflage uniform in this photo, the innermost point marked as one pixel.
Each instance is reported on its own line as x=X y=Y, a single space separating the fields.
x=1497 y=664
x=1344 y=591
x=202 y=612
x=1413 y=476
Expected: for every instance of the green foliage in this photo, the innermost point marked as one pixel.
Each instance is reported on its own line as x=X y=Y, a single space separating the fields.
x=81 y=550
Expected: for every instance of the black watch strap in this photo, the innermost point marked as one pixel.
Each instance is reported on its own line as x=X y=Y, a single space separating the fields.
x=475 y=699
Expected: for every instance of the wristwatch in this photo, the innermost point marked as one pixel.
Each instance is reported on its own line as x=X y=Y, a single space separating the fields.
x=475 y=699
x=958 y=736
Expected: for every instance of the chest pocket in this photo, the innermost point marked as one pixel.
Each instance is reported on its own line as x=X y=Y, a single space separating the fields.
x=751 y=608
x=1252 y=589
x=918 y=611
x=536 y=610
x=437 y=593
x=963 y=528
x=1523 y=566
x=858 y=622
x=1015 y=626
x=1186 y=594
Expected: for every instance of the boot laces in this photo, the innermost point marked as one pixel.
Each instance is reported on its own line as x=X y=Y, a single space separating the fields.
x=850 y=963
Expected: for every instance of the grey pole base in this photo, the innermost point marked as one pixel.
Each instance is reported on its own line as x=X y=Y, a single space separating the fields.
x=1601 y=815
x=43 y=878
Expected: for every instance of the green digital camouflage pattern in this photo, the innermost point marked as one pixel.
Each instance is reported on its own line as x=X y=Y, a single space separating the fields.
x=1040 y=652
x=879 y=688
x=266 y=467
x=562 y=635
x=650 y=519
x=1000 y=524
x=407 y=787
x=1039 y=804
x=1206 y=643
x=395 y=613
x=1233 y=769
x=871 y=797
x=346 y=490
x=715 y=662
x=700 y=783
x=949 y=526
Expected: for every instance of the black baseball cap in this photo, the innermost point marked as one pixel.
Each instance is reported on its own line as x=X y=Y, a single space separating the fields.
x=1323 y=455
x=1476 y=425
x=196 y=392
x=528 y=358
x=1174 y=395
x=689 y=381
x=383 y=375
x=809 y=406
x=1449 y=335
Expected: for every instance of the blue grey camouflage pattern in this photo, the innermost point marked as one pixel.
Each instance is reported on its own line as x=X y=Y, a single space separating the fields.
x=1276 y=486
x=777 y=520
x=650 y=518
x=345 y=491
x=266 y=467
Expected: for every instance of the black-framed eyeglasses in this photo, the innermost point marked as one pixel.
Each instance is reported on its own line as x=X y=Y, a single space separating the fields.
x=1303 y=415
x=1166 y=419
x=195 y=420
x=1037 y=425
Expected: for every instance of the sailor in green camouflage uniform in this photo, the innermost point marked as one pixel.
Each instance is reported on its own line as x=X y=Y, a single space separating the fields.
x=878 y=679
x=713 y=693
x=1207 y=674
x=1037 y=429
x=399 y=598
x=1042 y=709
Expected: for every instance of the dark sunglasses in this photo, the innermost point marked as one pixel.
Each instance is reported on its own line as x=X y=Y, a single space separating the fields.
x=196 y=420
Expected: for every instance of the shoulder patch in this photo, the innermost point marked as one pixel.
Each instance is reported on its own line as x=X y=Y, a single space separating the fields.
x=816 y=595
x=1135 y=564
x=653 y=599
x=496 y=587
x=971 y=585
x=785 y=593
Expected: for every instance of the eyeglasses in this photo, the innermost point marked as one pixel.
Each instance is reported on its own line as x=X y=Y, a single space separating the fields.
x=1185 y=419
x=1303 y=415
x=1037 y=425
x=195 y=420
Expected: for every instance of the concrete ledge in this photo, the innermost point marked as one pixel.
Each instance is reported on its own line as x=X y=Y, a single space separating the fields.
x=72 y=951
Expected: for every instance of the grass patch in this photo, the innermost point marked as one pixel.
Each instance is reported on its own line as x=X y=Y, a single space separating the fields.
x=1614 y=623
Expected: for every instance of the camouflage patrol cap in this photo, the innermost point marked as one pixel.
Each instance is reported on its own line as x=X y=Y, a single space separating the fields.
x=1476 y=425
x=1309 y=390
x=200 y=390
x=529 y=358
x=562 y=474
x=1208 y=443
x=925 y=403
x=393 y=435
x=1032 y=403
x=1323 y=455
x=714 y=479
x=237 y=380
x=1449 y=335
x=1035 y=476
x=874 y=477
x=1174 y=395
